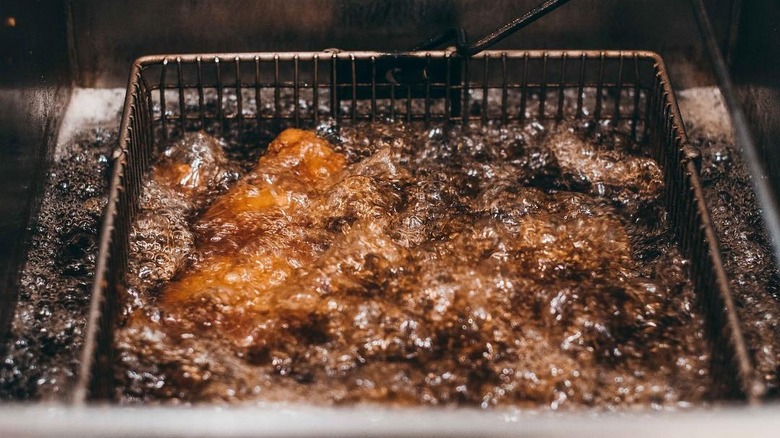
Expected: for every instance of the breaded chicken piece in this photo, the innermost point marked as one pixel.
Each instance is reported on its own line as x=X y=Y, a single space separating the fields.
x=250 y=239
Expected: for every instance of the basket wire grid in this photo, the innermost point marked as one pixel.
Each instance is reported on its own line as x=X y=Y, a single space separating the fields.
x=231 y=94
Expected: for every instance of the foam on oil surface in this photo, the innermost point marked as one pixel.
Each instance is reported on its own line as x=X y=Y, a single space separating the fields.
x=747 y=258
x=524 y=265
x=43 y=353
x=44 y=343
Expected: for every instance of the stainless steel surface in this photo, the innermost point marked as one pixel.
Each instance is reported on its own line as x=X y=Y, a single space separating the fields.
x=755 y=73
x=306 y=421
x=761 y=180
x=34 y=90
x=108 y=36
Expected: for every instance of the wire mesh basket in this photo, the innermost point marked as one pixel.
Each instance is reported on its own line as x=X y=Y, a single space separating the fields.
x=231 y=94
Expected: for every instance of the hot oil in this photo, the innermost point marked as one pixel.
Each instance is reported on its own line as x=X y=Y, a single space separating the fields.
x=43 y=346
x=526 y=265
x=747 y=258
x=41 y=358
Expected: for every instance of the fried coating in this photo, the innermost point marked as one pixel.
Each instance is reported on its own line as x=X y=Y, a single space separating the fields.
x=249 y=239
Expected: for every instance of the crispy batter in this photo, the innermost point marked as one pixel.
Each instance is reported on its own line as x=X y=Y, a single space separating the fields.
x=244 y=244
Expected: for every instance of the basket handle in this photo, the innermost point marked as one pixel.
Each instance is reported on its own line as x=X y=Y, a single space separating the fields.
x=464 y=48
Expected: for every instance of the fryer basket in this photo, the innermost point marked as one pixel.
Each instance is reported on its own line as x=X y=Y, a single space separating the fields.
x=168 y=95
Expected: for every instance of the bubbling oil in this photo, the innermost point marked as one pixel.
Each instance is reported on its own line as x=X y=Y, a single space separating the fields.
x=41 y=357
x=522 y=265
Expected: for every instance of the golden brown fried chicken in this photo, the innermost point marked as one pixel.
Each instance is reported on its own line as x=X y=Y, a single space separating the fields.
x=251 y=238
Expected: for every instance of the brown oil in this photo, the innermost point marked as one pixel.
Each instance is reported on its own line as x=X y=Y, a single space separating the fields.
x=42 y=349
x=41 y=357
x=746 y=254
x=527 y=265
